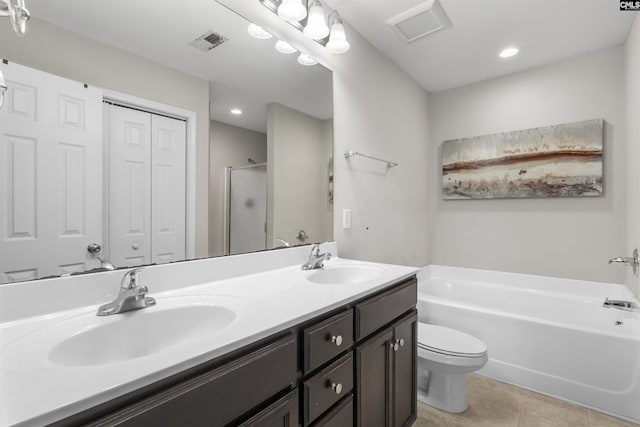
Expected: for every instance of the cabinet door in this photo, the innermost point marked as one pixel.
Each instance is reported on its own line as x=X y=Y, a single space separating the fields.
x=404 y=346
x=373 y=380
x=283 y=413
x=217 y=397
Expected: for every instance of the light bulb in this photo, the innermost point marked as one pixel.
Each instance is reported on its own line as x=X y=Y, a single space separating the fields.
x=304 y=59
x=316 y=27
x=292 y=10
x=337 y=39
x=284 y=47
x=258 y=32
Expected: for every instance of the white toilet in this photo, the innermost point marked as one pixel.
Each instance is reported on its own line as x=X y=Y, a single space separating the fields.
x=445 y=356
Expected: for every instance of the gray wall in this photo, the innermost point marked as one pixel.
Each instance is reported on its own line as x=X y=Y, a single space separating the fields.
x=382 y=112
x=632 y=81
x=61 y=52
x=230 y=146
x=562 y=237
x=299 y=150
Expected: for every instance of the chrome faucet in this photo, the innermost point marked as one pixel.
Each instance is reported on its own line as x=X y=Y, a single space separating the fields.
x=620 y=304
x=316 y=259
x=132 y=296
x=633 y=261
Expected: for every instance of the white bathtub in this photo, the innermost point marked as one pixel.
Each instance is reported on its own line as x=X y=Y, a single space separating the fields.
x=546 y=334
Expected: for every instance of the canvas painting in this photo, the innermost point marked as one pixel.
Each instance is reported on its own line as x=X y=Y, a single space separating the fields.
x=553 y=161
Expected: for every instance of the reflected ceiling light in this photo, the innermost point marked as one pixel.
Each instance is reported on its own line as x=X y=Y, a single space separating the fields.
x=292 y=10
x=284 y=47
x=257 y=32
x=236 y=111
x=304 y=59
x=316 y=28
x=337 y=38
x=18 y=14
x=509 y=52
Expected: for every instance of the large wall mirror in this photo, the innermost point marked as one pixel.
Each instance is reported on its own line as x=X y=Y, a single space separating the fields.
x=141 y=132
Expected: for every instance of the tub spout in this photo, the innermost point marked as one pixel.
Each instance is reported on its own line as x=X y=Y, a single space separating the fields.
x=633 y=261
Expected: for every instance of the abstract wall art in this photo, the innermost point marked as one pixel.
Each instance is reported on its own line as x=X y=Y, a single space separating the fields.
x=554 y=161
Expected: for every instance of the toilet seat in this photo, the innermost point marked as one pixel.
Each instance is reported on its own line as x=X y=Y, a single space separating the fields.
x=449 y=342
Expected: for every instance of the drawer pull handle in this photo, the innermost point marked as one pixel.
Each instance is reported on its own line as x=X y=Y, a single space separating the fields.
x=337 y=388
x=337 y=340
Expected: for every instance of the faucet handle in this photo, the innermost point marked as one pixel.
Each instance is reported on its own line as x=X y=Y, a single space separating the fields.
x=130 y=278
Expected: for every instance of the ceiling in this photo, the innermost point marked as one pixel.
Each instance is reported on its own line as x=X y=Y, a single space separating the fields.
x=467 y=51
x=243 y=72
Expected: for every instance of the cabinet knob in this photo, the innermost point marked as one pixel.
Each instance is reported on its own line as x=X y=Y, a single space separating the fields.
x=337 y=388
x=401 y=342
x=395 y=346
x=337 y=340
x=135 y=246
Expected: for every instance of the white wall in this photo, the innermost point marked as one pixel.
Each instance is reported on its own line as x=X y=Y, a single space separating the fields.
x=230 y=146
x=561 y=237
x=380 y=111
x=632 y=82
x=61 y=52
x=299 y=150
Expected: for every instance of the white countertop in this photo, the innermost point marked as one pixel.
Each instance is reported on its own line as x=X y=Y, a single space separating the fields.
x=35 y=391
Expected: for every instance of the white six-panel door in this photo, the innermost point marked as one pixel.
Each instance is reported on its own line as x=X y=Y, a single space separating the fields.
x=147 y=158
x=50 y=174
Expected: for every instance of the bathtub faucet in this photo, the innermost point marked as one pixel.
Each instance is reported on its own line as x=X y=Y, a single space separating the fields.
x=633 y=261
x=620 y=304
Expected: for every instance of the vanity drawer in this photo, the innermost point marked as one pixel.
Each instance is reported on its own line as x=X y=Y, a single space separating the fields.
x=327 y=339
x=327 y=387
x=340 y=416
x=219 y=396
x=376 y=312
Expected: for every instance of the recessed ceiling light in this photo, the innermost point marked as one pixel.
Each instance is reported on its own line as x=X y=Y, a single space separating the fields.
x=236 y=111
x=509 y=52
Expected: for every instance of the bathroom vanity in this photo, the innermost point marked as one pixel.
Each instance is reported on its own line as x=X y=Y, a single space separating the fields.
x=304 y=349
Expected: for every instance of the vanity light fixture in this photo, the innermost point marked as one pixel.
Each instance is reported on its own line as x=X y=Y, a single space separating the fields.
x=258 y=32
x=17 y=12
x=509 y=52
x=284 y=47
x=236 y=111
x=329 y=33
x=316 y=27
x=337 y=38
x=305 y=59
x=292 y=10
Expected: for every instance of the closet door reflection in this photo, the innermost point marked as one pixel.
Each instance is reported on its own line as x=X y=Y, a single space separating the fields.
x=247 y=194
x=146 y=187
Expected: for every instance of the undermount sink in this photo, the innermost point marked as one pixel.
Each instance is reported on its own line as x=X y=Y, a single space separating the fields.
x=345 y=274
x=90 y=340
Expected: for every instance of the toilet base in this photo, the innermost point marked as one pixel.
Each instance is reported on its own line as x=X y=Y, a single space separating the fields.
x=447 y=392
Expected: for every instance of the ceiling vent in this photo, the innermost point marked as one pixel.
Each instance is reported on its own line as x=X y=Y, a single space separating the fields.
x=419 y=21
x=208 y=41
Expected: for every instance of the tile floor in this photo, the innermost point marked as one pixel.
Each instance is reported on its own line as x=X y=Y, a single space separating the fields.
x=496 y=404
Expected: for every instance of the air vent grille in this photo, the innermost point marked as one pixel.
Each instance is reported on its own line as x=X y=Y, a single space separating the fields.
x=208 y=41
x=419 y=21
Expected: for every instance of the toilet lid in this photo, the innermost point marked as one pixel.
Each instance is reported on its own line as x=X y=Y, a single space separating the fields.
x=449 y=341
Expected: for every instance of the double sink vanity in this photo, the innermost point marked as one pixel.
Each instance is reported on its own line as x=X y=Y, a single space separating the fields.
x=249 y=339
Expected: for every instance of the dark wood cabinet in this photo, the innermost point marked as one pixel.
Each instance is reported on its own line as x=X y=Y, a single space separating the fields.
x=386 y=363
x=282 y=413
x=218 y=396
x=353 y=366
